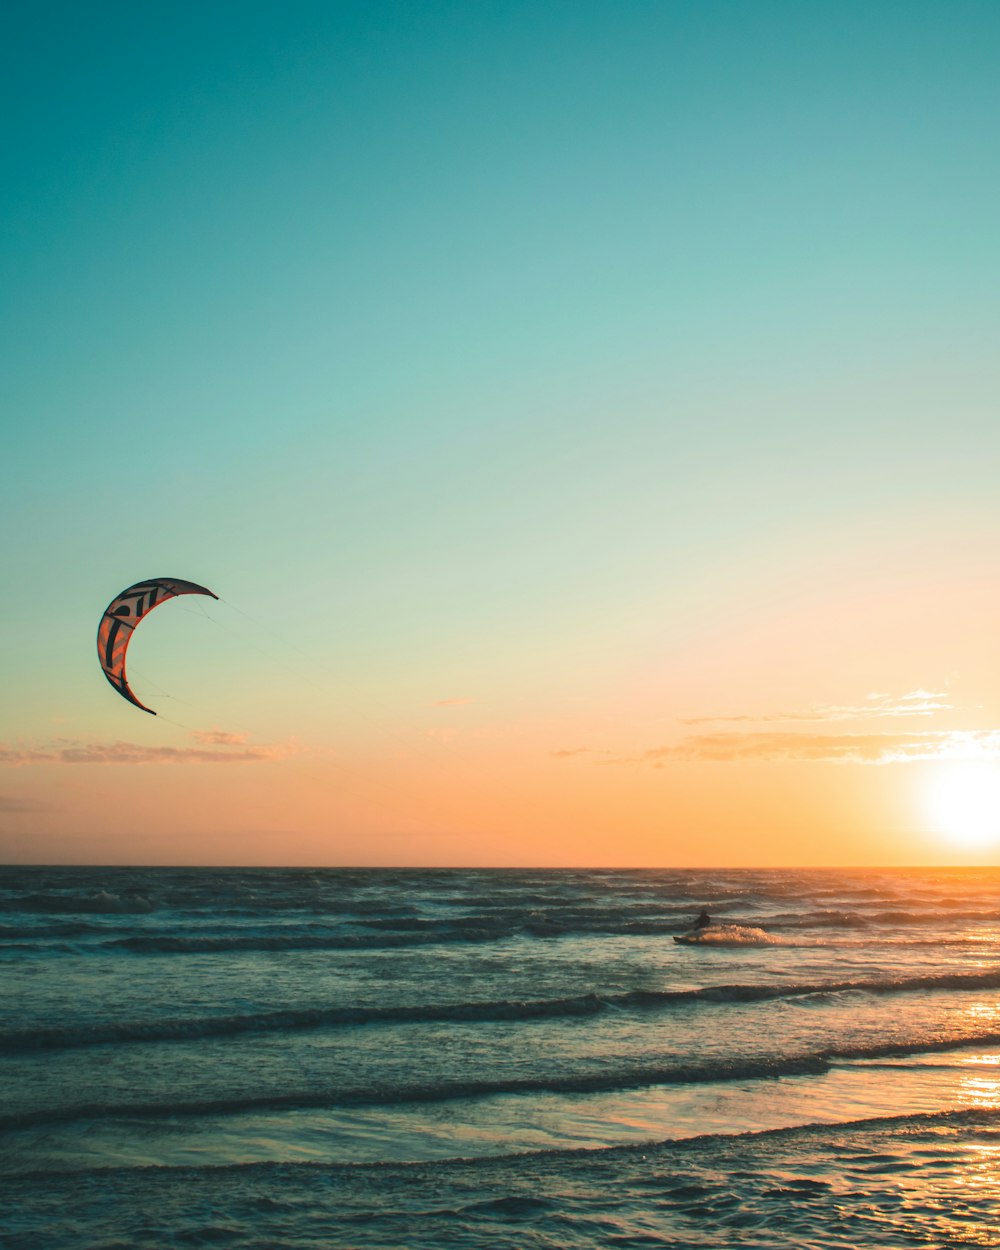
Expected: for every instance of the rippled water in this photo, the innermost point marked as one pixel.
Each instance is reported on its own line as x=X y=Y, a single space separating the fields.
x=276 y=1057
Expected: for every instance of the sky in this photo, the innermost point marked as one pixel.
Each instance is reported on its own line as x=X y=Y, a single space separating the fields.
x=585 y=413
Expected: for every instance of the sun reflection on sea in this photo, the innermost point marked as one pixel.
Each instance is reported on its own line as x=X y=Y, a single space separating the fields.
x=981 y=1014
x=979 y=1083
x=981 y=1092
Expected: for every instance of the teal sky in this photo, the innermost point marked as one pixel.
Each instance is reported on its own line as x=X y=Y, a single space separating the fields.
x=481 y=351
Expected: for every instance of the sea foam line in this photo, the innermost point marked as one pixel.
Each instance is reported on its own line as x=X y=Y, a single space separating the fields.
x=444 y=1091
x=984 y=1118
x=714 y=1072
x=581 y=1005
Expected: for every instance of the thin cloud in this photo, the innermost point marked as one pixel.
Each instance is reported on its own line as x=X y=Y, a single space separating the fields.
x=565 y=755
x=876 y=706
x=875 y=748
x=17 y=756
x=132 y=753
x=218 y=737
x=747 y=719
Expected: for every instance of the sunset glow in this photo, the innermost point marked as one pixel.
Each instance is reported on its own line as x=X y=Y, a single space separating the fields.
x=963 y=802
x=499 y=617
x=586 y=418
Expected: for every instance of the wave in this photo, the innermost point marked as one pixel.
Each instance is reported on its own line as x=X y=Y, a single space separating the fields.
x=69 y=929
x=395 y=932
x=179 y=944
x=94 y=941
x=290 y=1020
x=730 y=935
x=660 y=919
x=388 y=936
x=934 y=915
x=283 y=1170
x=443 y=1091
x=711 y=1072
x=293 y=1020
x=62 y=904
x=421 y=932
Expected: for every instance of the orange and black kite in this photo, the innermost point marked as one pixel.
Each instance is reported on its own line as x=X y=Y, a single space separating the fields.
x=123 y=614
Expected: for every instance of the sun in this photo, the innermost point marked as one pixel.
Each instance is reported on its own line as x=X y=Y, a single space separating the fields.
x=961 y=800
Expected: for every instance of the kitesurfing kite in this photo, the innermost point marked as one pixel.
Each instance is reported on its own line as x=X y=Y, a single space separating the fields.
x=123 y=614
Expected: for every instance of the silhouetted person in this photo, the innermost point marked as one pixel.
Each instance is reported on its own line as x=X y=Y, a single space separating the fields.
x=703 y=921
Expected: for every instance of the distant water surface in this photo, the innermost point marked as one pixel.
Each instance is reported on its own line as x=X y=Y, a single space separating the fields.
x=380 y=1058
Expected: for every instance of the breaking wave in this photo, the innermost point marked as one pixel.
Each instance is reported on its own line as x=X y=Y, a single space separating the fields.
x=581 y=1005
x=389 y=1094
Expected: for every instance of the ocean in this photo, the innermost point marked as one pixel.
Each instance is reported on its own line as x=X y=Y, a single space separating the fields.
x=277 y=1058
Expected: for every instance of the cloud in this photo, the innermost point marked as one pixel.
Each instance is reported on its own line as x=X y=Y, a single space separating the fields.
x=874 y=748
x=64 y=752
x=22 y=755
x=876 y=706
x=565 y=755
x=218 y=737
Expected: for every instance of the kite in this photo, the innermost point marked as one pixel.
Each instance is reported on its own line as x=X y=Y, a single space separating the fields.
x=123 y=614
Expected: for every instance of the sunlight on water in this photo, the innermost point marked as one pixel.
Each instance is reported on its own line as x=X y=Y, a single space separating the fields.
x=981 y=1088
x=281 y=1024
x=978 y=1092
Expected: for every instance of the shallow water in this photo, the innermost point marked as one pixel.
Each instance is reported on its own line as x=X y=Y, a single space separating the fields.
x=244 y=1050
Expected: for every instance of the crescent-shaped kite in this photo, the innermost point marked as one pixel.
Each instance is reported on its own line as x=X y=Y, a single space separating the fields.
x=123 y=614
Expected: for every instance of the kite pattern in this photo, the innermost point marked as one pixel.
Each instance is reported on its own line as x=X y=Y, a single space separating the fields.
x=122 y=615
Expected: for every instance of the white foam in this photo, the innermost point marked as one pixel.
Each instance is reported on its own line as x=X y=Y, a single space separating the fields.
x=733 y=935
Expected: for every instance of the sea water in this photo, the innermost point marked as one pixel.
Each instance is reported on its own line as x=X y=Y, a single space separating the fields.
x=385 y=1058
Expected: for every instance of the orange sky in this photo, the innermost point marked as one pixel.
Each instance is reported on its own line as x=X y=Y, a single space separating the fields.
x=817 y=725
